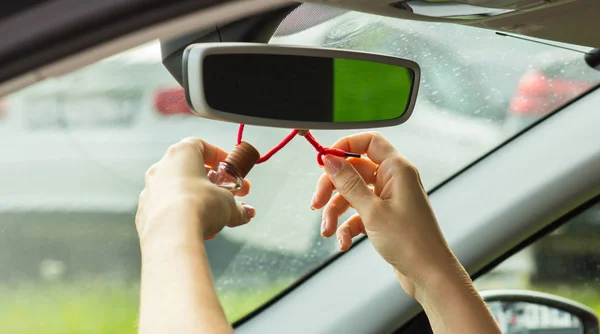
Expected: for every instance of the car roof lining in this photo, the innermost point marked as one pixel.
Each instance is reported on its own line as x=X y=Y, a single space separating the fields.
x=10 y=8
x=571 y=21
x=89 y=47
x=257 y=28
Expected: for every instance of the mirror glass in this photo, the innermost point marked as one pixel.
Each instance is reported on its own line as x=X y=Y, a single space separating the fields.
x=306 y=88
x=529 y=318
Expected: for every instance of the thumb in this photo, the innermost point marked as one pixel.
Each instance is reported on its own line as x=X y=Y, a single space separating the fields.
x=241 y=215
x=349 y=183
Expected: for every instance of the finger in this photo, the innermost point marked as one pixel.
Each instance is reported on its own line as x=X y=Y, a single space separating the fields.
x=323 y=192
x=211 y=154
x=325 y=187
x=150 y=172
x=331 y=214
x=245 y=190
x=352 y=227
x=139 y=212
x=205 y=155
x=241 y=215
x=349 y=183
x=187 y=157
x=373 y=144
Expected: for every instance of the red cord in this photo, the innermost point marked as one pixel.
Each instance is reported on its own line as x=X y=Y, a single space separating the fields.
x=278 y=147
x=323 y=150
x=240 y=133
x=320 y=149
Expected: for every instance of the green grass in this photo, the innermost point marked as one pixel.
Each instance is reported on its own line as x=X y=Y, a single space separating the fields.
x=62 y=308
x=99 y=307
x=95 y=307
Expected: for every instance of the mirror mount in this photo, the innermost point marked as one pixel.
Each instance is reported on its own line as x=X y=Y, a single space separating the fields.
x=255 y=29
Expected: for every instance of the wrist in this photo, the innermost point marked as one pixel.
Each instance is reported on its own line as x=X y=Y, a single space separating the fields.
x=440 y=280
x=160 y=256
x=430 y=272
x=176 y=225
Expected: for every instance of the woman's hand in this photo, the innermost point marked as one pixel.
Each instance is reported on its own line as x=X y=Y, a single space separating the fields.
x=179 y=204
x=397 y=217
x=178 y=209
x=396 y=214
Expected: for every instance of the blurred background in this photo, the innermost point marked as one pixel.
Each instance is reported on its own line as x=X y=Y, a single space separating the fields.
x=74 y=149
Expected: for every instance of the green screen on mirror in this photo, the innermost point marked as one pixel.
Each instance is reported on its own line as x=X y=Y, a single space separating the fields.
x=306 y=88
x=366 y=91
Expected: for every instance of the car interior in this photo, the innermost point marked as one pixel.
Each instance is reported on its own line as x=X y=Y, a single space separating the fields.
x=509 y=158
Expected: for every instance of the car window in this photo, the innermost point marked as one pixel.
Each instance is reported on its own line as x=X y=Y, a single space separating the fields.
x=75 y=149
x=566 y=263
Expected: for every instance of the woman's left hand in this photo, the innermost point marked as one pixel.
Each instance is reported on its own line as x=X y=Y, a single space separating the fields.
x=180 y=205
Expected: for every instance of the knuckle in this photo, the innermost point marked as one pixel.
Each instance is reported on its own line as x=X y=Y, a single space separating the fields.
x=138 y=217
x=140 y=207
x=142 y=195
x=411 y=170
x=376 y=134
x=193 y=143
x=181 y=146
x=404 y=167
x=150 y=172
x=330 y=209
x=339 y=233
x=173 y=149
x=219 y=199
x=188 y=140
x=138 y=221
x=398 y=162
x=350 y=185
x=186 y=145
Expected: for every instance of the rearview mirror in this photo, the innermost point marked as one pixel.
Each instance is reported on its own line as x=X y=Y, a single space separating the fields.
x=529 y=312
x=298 y=87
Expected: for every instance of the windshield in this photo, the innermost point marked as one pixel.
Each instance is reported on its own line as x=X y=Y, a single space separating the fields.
x=75 y=149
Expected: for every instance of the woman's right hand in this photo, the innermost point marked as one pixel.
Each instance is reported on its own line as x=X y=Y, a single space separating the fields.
x=395 y=215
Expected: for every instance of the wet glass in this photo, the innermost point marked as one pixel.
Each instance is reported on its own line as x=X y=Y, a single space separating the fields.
x=75 y=149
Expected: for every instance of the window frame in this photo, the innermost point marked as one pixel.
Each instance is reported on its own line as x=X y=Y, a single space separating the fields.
x=420 y=321
x=498 y=173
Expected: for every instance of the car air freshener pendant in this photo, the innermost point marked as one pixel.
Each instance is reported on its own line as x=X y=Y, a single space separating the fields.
x=231 y=173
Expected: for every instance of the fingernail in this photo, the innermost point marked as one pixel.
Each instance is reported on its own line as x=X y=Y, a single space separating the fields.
x=340 y=243
x=323 y=226
x=211 y=237
x=312 y=202
x=250 y=211
x=332 y=164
